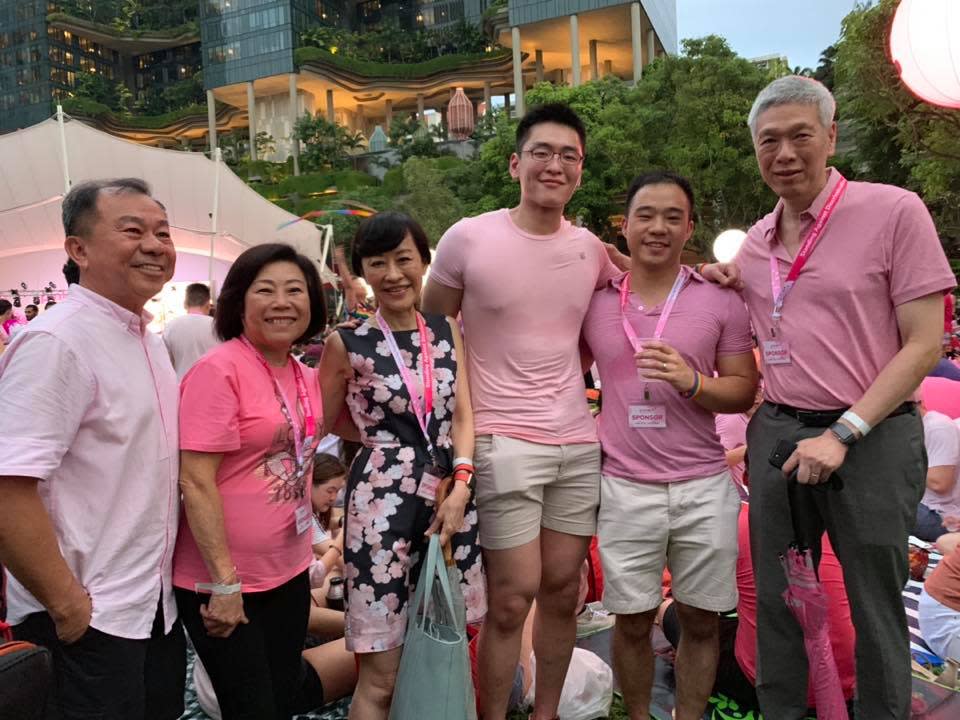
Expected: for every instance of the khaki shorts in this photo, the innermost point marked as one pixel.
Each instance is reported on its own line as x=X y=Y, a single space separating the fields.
x=691 y=526
x=523 y=486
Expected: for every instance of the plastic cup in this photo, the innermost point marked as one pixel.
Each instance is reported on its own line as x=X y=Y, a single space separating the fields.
x=637 y=347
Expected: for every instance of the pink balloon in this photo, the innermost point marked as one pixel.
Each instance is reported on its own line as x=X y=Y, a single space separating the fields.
x=925 y=47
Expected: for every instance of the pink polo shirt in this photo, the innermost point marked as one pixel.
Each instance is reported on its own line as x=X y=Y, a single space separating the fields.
x=524 y=300
x=90 y=409
x=228 y=405
x=879 y=250
x=707 y=322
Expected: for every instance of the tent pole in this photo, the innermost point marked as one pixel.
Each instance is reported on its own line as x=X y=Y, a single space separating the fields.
x=214 y=216
x=63 y=150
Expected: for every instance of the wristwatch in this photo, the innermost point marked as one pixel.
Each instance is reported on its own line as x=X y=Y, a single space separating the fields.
x=844 y=434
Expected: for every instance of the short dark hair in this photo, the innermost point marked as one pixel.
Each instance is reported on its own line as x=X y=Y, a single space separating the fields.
x=559 y=113
x=228 y=319
x=384 y=232
x=197 y=295
x=5 y=305
x=660 y=177
x=31 y=305
x=50 y=304
x=80 y=204
x=71 y=272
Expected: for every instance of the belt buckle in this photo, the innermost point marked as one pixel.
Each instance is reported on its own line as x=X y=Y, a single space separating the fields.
x=805 y=416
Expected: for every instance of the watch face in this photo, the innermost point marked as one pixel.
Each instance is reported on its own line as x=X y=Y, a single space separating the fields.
x=843 y=433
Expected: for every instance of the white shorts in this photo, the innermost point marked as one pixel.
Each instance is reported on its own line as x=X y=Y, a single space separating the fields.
x=939 y=626
x=690 y=526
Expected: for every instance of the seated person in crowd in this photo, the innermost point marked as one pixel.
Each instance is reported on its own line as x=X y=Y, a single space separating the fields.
x=939 y=510
x=939 y=608
x=329 y=478
x=737 y=667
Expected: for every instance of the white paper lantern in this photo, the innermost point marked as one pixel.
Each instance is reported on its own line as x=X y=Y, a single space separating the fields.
x=925 y=46
x=727 y=244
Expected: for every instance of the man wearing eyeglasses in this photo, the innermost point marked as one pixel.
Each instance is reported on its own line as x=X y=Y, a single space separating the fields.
x=522 y=278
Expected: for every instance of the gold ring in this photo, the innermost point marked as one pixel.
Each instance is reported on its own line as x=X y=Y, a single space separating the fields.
x=664 y=366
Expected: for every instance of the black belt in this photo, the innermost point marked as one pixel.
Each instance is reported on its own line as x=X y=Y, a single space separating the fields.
x=826 y=418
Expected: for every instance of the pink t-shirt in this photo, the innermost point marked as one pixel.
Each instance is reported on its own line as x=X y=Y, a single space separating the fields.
x=228 y=405
x=941 y=394
x=707 y=322
x=524 y=300
x=732 y=429
x=879 y=250
x=941 y=438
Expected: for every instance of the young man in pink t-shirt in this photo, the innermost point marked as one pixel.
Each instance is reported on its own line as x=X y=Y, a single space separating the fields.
x=522 y=280
x=659 y=335
x=844 y=348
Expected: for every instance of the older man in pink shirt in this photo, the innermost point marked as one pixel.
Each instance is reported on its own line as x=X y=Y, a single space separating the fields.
x=844 y=282
x=672 y=349
x=88 y=478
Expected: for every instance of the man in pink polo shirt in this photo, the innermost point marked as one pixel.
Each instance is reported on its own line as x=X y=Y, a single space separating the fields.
x=844 y=282
x=88 y=477
x=522 y=279
x=659 y=334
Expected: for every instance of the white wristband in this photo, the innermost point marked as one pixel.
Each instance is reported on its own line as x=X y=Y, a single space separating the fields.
x=858 y=422
x=463 y=461
x=218 y=589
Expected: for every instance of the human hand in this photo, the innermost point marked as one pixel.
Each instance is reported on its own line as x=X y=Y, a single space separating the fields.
x=658 y=361
x=815 y=459
x=222 y=614
x=72 y=616
x=723 y=274
x=449 y=516
x=616 y=257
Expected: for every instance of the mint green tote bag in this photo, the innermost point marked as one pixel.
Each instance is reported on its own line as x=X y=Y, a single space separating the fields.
x=434 y=682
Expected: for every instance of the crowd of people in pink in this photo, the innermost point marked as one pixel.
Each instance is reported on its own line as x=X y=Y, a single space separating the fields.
x=196 y=494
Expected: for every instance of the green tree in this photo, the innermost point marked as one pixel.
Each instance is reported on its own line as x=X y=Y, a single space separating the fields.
x=429 y=200
x=896 y=137
x=326 y=144
x=824 y=71
x=412 y=139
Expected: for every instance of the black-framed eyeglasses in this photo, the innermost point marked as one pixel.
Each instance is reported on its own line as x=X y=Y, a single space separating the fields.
x=544 y=155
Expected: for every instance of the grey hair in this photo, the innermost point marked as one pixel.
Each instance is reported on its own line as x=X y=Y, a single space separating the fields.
x=794 y=89
x=80 y=204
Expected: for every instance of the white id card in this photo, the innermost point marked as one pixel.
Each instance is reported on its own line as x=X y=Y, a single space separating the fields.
x=302 y=515
x=647 y=416
x=776 y=352
x=429 y=482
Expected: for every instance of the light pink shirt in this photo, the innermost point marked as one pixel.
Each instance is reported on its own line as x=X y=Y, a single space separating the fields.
x=732 y=430
x=524 y=300
x=941 y=438
x=90 y=409
x=879 y=250
x=228 y=405
x=188 y=338
x=707 y=322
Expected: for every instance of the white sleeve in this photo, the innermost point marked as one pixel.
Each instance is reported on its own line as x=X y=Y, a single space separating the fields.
x=942 y=441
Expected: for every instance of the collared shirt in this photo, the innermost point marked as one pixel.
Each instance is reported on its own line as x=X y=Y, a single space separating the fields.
x=706 y=322
x=879 y=250
x=524 y=300
x=90 y=409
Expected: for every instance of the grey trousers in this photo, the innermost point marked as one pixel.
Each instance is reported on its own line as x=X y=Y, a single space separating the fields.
x=868 y=522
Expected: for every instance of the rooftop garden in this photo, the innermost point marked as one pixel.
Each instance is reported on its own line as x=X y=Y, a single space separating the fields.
x=132 y=18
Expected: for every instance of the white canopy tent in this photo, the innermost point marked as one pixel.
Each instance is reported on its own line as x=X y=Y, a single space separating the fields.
x=205 y=202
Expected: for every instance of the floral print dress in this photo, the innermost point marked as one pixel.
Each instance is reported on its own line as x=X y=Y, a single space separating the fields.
x=385 y=519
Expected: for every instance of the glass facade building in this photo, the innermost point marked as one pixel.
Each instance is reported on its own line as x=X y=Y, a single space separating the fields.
x=24 y=65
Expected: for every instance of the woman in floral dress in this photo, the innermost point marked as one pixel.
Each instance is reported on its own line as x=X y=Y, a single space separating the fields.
x=416 y=426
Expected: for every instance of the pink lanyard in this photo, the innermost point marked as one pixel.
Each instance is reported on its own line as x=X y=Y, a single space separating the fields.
x=806 y=250
x=421 y=412
x=664 y=314
x=310 y=421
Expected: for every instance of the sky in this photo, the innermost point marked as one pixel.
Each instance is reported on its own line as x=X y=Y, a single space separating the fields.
x=799 y=29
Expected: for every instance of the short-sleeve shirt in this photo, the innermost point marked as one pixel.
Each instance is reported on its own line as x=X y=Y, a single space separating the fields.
x=188 y=338
x=879 y=250
x=524 y=300
x=229 y=405
x=90 y=410
x=707 y=322
x=941 y=438
x=732 y=429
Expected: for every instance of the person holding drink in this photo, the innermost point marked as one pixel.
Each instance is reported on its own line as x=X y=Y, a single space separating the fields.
x=672 y=349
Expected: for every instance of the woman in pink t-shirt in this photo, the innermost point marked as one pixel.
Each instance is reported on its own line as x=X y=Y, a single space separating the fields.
x=250 y=420
x=408 y=397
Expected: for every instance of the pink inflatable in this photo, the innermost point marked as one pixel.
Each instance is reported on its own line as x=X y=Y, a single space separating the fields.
x=942 y=395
